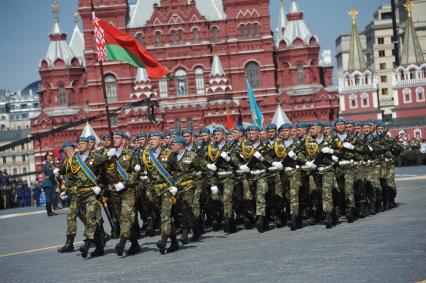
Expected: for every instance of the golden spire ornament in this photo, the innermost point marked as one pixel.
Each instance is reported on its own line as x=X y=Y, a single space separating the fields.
x=55 y=7
x=409 y=7
x=76 y=16
x=353 y=14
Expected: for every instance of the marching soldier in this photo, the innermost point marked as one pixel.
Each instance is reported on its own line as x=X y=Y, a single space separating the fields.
x=122 y=178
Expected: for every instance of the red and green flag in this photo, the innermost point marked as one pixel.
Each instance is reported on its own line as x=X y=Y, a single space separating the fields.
x=114 y=44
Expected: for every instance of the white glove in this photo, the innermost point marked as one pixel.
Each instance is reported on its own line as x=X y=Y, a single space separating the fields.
x=137 y=168
x=111 y=152
x=215 y=190
x=97 y=190
x=327 y=150
x=278 y=165
x=370 y=148
x=273 y=168
x=335 y=158
x=311 y=165
x=292 y=155
x=212 y=167
x=119 y=187
x=63 y=195
x=225 y=156
x=348 y=146
x=56 y=172
x=173 y=190
x=245 y=168
x=258 y=155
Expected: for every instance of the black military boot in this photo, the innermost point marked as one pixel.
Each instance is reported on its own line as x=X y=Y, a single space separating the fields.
x=249 y=215
x=200 y=225
x=350 y=215
x=328 y=222
x=99 y=250
x=85 y=249
x=196 y=233
x=184 y=237
x=216 y=225
x=373 y=207
x=260 y=224
x=379 y=206
x=174 y=246
x=150 y=231
x=293 y=222
x=161 y=244
x=119 y=248
x=135 y=248
x=69 y=245
x=226 y=225
x=115 y=231
x=361 y=212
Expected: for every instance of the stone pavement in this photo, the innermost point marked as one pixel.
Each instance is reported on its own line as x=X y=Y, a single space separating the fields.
x=387 y=247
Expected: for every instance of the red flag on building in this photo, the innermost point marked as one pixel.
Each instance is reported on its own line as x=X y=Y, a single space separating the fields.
x=229 y=122
x=114 y=44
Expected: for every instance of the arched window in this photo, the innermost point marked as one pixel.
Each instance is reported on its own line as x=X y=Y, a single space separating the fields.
x=353 y=103
x=406 y=93
x=413 y=74
x=189 y=123
x=111 y=88
x=199 y=80
x=181 y=83
x=300 y=75
x=173 y=34
x=417 y=133
x=420 y=94
x=195 y=34
x=139 y=37
x=252 y=74
x=163 y=88
x=62 y=95
x=243 y=31
x=179 y=36
x=256 y=30
x=177 y=125
x=248 y=31
x=357 y=80
x=365 y=102
x=158 y=38
x=402 y=75
x=214 y=34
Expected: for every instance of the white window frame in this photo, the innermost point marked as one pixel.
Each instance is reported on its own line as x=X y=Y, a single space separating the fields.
x=365 y=95
x=353 y=97
x=163 y=87
x=406 y=91
x=418 y=91
x=199 y=81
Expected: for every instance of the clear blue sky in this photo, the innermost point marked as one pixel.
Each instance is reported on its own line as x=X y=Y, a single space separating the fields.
x=25 y=25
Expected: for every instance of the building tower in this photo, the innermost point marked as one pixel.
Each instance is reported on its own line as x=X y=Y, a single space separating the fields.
x=409 y=83
x=357 y=85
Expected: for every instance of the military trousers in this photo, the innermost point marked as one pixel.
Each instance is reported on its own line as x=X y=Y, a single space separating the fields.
x=292 y=185
x=89 y=207
x=345 y=177
x=72 y=215
x=258 y=186
x=184 y=201
x=323 y=180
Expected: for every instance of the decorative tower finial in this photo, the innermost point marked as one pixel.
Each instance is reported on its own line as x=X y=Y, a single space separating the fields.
x=408 y=7
x=55 y=7
x=354 y=14
x=76 y=16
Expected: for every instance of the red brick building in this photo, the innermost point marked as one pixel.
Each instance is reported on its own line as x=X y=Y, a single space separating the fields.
x=209 y=45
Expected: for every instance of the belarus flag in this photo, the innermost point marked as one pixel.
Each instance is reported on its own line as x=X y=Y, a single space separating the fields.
x=113 y=44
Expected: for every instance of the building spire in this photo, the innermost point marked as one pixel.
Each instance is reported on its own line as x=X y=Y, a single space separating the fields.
x=356 y=54
x=294 y=8
x=411 y=50
x=217 y=69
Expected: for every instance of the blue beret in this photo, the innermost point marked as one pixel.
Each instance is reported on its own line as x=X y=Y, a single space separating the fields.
x=239 y=128
x=218 y=129
x=339 y=120
x=228 y=133
x=174 y=132
x=118 y=133
x=91 y=138
x=380 y=124
x=187 y=131
x=106 y=136
x=285 y=126
x=302 y=125
x=141 y=135
x=155 y=134
x=317 y=123
x=205 y=131
x=127 y=136
x=369 y=121
x=349 y=122
x=68 y=144
x=271 y=126
x=326 y=124
x=178 y=139
x=82 y=139
x=252 y=128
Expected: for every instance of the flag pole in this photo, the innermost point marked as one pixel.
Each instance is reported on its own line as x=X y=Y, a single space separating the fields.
x=101 y=67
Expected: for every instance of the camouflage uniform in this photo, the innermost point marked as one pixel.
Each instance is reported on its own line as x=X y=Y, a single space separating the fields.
x=124 y=201
x=184 y=171
x=157 y=189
